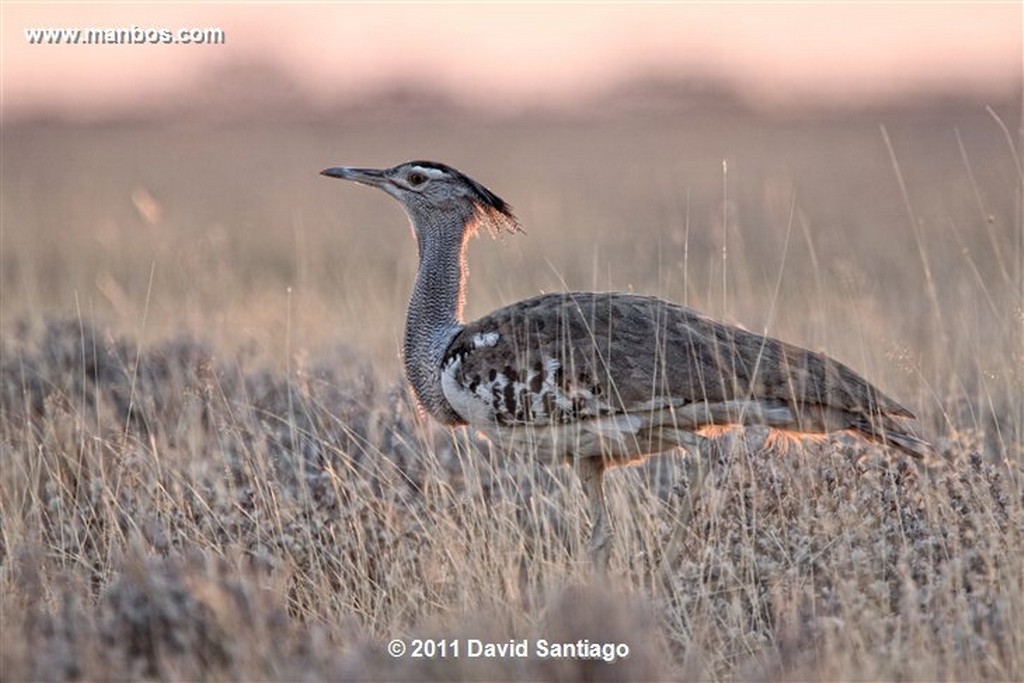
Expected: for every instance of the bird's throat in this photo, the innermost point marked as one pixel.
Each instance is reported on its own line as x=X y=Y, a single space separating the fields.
x=435 y=314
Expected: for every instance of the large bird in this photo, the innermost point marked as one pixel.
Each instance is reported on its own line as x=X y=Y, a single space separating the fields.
x=599 y=379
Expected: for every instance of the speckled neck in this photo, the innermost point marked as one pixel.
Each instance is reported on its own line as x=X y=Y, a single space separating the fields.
x=435 y=309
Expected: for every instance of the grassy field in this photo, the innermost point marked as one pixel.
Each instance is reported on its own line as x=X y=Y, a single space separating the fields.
x=211 y=468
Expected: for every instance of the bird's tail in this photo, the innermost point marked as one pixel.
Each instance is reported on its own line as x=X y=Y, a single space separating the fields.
x=897 y=432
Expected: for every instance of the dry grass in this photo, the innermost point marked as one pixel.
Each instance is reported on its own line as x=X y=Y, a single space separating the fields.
x=210 y=468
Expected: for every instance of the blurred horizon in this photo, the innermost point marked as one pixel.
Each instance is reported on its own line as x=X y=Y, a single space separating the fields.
x=312 y=61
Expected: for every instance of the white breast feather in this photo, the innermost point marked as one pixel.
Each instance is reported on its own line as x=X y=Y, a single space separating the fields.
x=474 y=408
x=485 y=340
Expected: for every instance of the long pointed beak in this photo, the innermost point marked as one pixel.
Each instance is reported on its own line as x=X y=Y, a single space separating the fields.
x=366 y=176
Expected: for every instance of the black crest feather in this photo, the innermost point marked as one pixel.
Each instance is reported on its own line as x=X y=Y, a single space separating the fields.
x=492 y=207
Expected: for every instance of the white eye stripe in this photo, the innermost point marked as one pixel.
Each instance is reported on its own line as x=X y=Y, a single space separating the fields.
x=429 y=173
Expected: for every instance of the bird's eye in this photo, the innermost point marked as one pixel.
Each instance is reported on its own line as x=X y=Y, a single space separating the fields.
x=416 y=178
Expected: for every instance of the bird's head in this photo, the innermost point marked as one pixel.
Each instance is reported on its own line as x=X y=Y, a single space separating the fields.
x=436 y=195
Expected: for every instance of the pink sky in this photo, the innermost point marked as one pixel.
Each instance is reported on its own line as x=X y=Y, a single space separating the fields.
x=521 y=54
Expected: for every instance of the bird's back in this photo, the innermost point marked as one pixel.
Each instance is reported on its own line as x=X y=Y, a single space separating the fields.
x=568 y=358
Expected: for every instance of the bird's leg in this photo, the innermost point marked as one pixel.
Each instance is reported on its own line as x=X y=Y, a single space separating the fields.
x=591 y=473
x=702 y=457
x=707 y=455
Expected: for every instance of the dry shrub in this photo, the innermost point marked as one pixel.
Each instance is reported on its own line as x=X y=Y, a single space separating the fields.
x=170 y=513
x=828 y=563
x=167 y=619
x=197 y=483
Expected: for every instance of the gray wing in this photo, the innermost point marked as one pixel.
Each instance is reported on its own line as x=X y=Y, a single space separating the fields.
x=575 y=356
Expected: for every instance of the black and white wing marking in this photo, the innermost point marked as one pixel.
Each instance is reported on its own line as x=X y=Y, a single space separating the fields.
x=573 y=357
